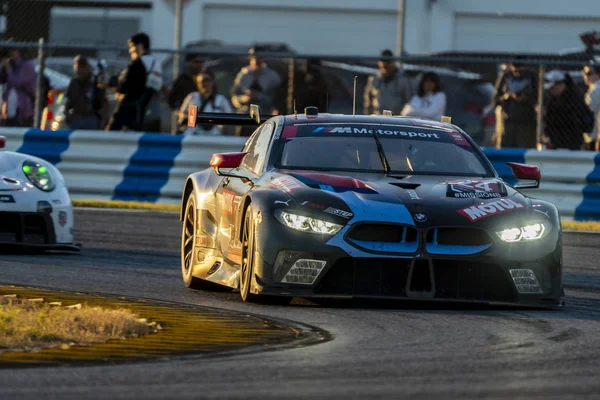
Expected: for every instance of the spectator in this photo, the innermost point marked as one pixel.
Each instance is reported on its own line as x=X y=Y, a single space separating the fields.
x=86 y=104
x=255 y=84
x=139 y=88
x=207 y=99
x=516 y=93
x=591 y=75
x=185 y=83
x=389 y=89
x=18 y=100
x=567 y=116
x=310 y=89
x=430 y=100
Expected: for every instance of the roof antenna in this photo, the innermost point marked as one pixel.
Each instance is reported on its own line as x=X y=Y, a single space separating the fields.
x=295 y=112
x=354 y=99
x=327 y=102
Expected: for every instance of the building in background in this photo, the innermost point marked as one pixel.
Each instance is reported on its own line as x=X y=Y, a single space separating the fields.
x=353 y=27
x=365 y=27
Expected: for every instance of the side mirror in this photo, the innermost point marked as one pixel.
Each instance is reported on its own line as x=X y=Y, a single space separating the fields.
x=228 y=160
x=528 y=172
x=2 y=142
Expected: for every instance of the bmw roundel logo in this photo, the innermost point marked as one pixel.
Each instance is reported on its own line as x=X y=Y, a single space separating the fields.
x=420 y=217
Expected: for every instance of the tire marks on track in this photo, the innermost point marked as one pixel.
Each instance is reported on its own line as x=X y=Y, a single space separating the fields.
x=381 y=349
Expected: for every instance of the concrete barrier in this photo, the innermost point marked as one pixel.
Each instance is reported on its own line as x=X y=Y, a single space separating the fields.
x=153 y=167
x=121 y=165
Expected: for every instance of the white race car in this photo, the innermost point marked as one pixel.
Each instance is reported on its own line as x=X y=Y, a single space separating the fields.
x=35 y=207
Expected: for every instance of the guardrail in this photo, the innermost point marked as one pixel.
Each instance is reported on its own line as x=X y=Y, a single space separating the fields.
x=153 y=167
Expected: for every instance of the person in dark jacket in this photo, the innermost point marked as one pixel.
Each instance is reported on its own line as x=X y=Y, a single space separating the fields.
x=567 y=116
x=86 y=104
x=186 y=82
x=310 y=88
x=516 y=93
x=138 y=86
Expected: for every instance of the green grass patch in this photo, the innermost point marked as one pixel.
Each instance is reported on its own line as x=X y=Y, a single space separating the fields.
x=131 y=205
x=27 y=325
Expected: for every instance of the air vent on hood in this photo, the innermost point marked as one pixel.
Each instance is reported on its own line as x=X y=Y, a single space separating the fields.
x=406 y=185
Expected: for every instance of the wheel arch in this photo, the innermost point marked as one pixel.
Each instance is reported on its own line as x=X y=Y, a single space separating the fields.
x=196 y=182
x=187 y=190
x=262 y=201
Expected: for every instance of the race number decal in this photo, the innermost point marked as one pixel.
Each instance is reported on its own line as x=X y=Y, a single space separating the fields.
x=475 y=189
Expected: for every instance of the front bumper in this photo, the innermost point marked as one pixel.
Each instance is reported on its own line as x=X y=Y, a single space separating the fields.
x=484 y=277
x=30 y=231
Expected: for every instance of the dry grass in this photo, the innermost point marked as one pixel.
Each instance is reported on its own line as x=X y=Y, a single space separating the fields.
x=581 y=225
x=27 y=325
x=130 y=205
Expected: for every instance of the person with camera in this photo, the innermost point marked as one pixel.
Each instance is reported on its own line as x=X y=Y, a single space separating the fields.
x=255 y=83
x=139 y=90
x=86 y=106
x=516 y=92
x=208 y=100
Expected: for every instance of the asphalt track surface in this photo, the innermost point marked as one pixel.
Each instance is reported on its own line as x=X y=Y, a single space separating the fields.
x=378 y=350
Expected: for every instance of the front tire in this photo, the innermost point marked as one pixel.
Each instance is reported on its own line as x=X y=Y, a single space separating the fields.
x=248 y=261
x=247 y=267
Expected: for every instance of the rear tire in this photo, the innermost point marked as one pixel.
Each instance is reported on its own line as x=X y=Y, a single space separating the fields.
x=188 y=239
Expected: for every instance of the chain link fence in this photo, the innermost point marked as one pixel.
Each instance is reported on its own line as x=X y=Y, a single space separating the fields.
x=554 y=114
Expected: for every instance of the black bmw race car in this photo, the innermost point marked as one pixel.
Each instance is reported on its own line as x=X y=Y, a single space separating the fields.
x=321 y=205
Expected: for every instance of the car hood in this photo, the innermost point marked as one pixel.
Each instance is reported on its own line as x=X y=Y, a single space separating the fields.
x=11 y=178
x=426 y=200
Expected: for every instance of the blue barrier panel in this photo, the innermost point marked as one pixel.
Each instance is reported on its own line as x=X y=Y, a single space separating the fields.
x=499 y=158
x=149 y=167
x=47 y=145
x=589 y=209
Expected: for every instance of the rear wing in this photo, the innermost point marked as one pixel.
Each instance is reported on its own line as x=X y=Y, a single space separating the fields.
x=254 y=119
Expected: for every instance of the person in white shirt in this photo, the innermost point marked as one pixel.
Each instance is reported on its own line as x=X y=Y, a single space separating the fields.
x=208 y=100
x=430 y=101
x=591 y=77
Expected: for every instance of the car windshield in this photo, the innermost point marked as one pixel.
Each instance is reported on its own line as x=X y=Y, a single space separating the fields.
x=409 y=150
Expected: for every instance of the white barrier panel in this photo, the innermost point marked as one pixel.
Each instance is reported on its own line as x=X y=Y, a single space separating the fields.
x=95 y=161
x=195 y=155
x=564 y=177
x=14 y=137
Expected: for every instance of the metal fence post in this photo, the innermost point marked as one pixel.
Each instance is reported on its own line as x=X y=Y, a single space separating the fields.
x=290 y=88
x=540 y=107
x=400 y=33
x=176 y=55
x=37 y=108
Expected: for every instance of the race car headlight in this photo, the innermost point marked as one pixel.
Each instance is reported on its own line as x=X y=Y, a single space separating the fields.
x=38 y=175
x=524 y=233
x=308 y=224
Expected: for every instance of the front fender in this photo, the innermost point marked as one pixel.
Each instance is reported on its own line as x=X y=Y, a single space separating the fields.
x=263 y=202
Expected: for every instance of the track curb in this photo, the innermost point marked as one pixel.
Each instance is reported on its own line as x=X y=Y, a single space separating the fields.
x=187 y=330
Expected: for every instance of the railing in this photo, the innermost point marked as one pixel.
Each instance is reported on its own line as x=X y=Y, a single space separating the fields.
x=468 y=82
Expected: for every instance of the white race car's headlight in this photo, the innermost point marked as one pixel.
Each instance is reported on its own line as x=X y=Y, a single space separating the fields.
x=308 y=224
x=38 y=175
x=524 y=233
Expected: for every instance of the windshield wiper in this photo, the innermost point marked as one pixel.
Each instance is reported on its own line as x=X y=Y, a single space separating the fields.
x=384 y=161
